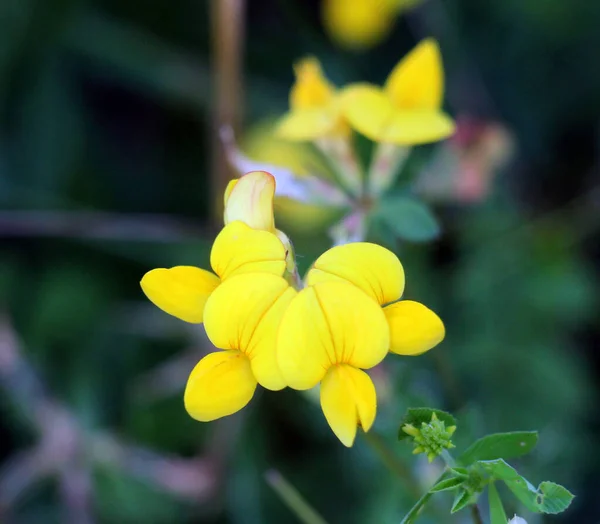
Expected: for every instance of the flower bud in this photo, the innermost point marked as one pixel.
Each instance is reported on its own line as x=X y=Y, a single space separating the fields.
x=250 y=200
x=431 y=439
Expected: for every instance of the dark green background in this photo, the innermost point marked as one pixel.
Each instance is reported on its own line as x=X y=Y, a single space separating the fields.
x=104 y=174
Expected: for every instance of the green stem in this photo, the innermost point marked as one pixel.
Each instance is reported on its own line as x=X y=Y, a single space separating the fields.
x=290 y=496
x=416 y=509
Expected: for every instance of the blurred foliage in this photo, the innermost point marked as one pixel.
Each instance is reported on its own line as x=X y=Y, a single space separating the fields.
x=105 y=108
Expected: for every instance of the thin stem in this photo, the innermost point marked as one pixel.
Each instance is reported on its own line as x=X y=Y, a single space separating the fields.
x=476 y=514
x=420 y=504
x=391 y=461
x=290 y=496
x=227 y=51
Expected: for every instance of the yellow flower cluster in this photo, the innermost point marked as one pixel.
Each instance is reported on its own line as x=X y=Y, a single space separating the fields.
x=405 y=111
x=343 y=319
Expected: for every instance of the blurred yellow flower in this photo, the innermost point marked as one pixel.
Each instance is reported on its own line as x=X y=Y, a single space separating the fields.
x=361 y=24
x=315 y=110
x=182 y=291
x=407 y=110
x=414 y=329
x=241 y=317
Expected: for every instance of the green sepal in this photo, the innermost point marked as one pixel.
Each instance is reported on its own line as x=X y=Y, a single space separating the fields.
x=462 y=499
x=448 y=484
x=416 y=416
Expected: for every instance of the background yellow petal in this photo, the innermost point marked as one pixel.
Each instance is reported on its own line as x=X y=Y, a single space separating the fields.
x=230 y=185
x=327 y=324
x=414 y=328
x=304 y=125
x=417 y=81
x=220 y=384
x=374 y=269
x=180 y=291
x=367 y=109
x=417 y=127
x=250 y=200
x=348 y=399
x=311 y=89
x=240 y=249
x=244 y=314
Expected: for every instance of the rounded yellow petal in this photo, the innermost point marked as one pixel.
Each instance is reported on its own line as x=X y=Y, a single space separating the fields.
x=348 y=400
x=417 y=127
x=240 y=249
x=367 y=108
x=372 y=268
x=414 y=328
x=417 y=81
x=244 y=314
x=327 y=324
x=358 y=24
x=180 y=291
x=230 y=185
x=311 y=89
x=220 y=384
x=250 y=200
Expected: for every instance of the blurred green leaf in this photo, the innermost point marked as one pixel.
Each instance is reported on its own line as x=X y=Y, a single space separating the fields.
x=500 y=445
x=461 y=500
x=447 y=484
x=408 y=218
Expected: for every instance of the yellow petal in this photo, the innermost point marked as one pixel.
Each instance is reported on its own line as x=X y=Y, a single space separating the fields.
x=240 y=249
x=244 y=314
x=371 y=112
x=374 y=269
x=220 y=384
x=305 y=125
x=180 y=291
x=417 y=127
x=414 y=328
x=251 y=201
x=327 y=324
x=230 y=185
x=348 y=400
x=417 y=81
x=367 y=108
x=358 y=24
x=311 y=89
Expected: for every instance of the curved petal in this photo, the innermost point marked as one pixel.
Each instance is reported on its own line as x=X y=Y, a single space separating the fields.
x=180 y=291
x=251 y=201
x=417 y=127
x=230 y=185
x=240 y=249
x=367 y=108
x=308 y=124
x=348 y=400
x=220 y=384
x=374 y=269
x=417 y=81
x=244 y=314
x=327 y=324
x=414 y=328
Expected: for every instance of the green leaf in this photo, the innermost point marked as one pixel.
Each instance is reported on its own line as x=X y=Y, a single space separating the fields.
x=408 y=218
x=500 y=445
x=462 y=499
x=460 y=472
x=497 y=514
x=548 y=497
x=447 y=484
x=416 y=416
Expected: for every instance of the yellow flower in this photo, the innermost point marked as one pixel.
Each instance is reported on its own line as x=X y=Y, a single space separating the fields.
x=329 y=333
x=241 y=317
x=414 y=329
x=315 y=110
x=182 y=291
x=407 y=111
x=358 y=24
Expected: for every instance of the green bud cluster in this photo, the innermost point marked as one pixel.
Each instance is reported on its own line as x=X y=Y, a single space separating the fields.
x=431 y=438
